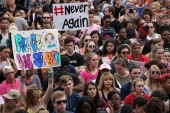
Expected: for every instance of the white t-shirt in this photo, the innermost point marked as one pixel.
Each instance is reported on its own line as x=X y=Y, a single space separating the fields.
x=156 y=36
x=4 y=39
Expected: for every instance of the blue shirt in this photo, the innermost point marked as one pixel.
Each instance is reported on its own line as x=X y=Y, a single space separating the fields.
x=125 y=90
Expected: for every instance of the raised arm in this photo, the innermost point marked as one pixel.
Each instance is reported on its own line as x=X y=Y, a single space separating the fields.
x=22 y=84
x=81 y=38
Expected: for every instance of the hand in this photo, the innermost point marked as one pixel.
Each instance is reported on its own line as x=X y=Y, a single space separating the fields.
x=50 y=69
x=110 y=105
x=23 y=73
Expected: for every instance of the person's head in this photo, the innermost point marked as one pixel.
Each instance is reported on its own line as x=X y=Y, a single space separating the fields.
x=143 y=31
x=130 y=33
x=106 y=36
x=166 y=55
x=97 y=20
x=10 y=2
x=106 y=20
x=86 y=105
x=159 y=18
x=139 y=103
x=138 y=86
x=129 y=8
x=69 y=44
x=160 y=93
x=95 y=36
x=157 y=53
x=165 y=33
x=163 y=9
x=123 y=51
x=33 y=95
x=162 y=67
x=104 y=68
x=167 y=3
x=141 y=2
x=42 y=109
x=8 y=72
x=29 y=73
x=165 y=19
x=150 y=63
x=86 y=39
x=59 y=101
x=17 y=14
x=89 y=47
x=117 y=2
x=33 y=6
x=109 y=47
x=152 y=27
x=136 y=48
x=110 y=10
x=20 y=111
x=147 y=14
x=46 y=17
x=154 y=105
x=92 y=61
x=126 y=109
x=90 y=3
x=114 y=97
x=11 y=98
x=62 y=38
x=106 y=81
x=121 y=65
x=153 y=8
x=96 y=4
x=164 y=80
x=134 y=71
x=121 y=33
x=66 y=83
x=23 y=14
x=91 y=15
x=157 y=42
x=4 y=23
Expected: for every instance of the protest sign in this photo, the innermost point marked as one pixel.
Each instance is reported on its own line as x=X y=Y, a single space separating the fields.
x=141 y=65
x=36 y=49
x=70 y=16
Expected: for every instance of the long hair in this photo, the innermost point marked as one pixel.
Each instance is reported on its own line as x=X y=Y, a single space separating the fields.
x=100 y=39
x=89 y=100
x=105 y=45
x=90 y=55
x=85 y=50
x=106 y=75
x=135 y=82
x=97 y=99
x=148 y=81
x=154 y=50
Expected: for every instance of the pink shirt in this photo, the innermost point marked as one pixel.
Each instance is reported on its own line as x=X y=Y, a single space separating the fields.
x=92 y=28
x=88 y=76
x=5 y=87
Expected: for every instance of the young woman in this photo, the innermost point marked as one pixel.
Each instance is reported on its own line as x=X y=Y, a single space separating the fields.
x=152 y=31
x=152 y=82
x=89 y=48
x=38 y=21
x=90 y=89
x=106 y=84
x=122 y=75
x=165 y=35
x=62 y=38
x=109 y=51
x=86 y=39
x=32 y=98
x=136 y=55
x=166 y=55
x=118 y=7
x=137 y=90
x=95 y=36
x=5 y=60
x=86 y=105
x=114 y=102
x=91 y=71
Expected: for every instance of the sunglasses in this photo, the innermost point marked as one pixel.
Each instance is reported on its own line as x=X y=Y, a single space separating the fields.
x=91 y=46
x=86 y=40
x=9 y=73
x=155 y=72
x=125 y=53
x=46 y=17
x=61 y=101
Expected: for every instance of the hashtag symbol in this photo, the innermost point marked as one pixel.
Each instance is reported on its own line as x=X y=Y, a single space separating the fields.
x=59 y=10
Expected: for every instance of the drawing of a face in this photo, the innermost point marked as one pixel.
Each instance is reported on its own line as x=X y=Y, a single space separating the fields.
x=49 y=39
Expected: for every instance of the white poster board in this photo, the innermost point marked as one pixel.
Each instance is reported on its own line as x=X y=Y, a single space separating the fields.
x=36 y=49
x=70 y=16
x=141 y=65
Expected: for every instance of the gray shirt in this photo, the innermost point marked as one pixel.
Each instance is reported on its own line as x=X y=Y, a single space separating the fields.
x=21 y=23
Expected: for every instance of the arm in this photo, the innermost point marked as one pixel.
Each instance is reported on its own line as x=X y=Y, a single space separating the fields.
x=78 y=88
x=22 y=84
x=38 y=83
x=28 y=15
x=82 y=81
x=79 y=69
x=14 y=65
x=81 y=38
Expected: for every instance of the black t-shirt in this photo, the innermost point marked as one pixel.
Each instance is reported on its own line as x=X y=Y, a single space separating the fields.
x=76 y=59
x=58 y=74
x=166 y=46
x=117 y=11
x=114 y=24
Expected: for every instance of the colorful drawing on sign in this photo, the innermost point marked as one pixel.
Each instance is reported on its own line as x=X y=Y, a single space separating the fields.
x=71 y=16
x=36 y=49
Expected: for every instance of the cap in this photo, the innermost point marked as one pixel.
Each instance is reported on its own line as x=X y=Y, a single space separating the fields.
x=105 y=66
x=162 y=78
x=96 y=3
x=33 y=5
x=107 y=35
x=12 y=94
x=64 y=62
x=128 y=6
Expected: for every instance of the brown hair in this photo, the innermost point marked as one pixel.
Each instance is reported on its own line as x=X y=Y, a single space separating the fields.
x=65 y=78
x=57 y=94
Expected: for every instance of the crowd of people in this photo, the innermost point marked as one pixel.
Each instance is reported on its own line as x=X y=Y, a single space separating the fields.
x=100 y=71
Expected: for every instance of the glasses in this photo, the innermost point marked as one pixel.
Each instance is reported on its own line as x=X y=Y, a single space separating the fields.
x=136 y=73
x=86 y=40
x=61 y=101
x=91 y=46
x=9 y=73
x=46 y=17
x=124 y=52
x=155 y=72
x=6 y=52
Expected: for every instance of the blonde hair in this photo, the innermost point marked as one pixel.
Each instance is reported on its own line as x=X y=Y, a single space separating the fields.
x=85 y=50
x=96 y=18
x=154 y=50
x=42 y=109
x=135 y=82
x=103 y=76
x=64 y=79
x=57 y=94
x=148 y=81
x=90 y=55
x=121 y=61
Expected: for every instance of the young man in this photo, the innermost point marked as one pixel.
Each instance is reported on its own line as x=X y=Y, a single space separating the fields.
x=163 y=9
x=165 y=20
x=59 y=101
x=73 y=98
x=135 y=72
x=76 y=59
x=11 y=101
x=139 y=104
x=4 y=30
